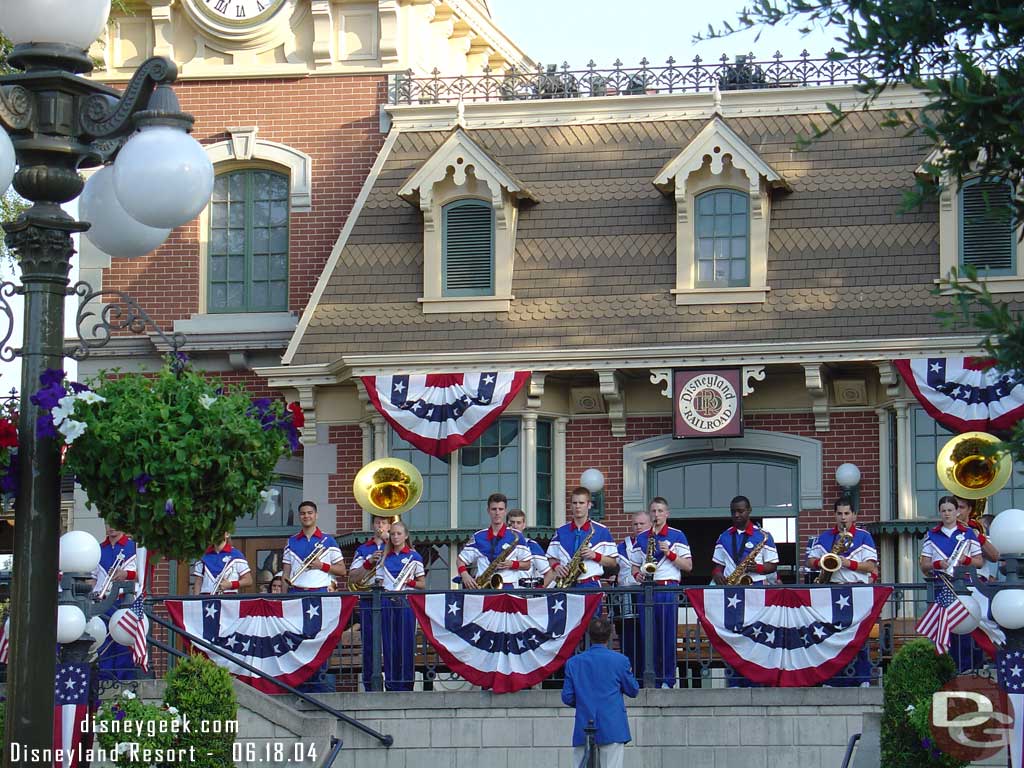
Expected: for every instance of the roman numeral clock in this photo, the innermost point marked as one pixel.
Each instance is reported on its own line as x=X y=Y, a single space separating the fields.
x=242 y=12
x=233 y=25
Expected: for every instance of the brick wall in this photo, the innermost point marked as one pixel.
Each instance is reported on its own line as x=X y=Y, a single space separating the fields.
x=349 y=442
x=332 y=119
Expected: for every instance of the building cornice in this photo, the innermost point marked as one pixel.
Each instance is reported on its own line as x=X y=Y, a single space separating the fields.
x=598 y=359
x=643 y=108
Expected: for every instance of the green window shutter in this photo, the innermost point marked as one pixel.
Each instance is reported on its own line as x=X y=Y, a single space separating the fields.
x=986 y=228
x=468 y=242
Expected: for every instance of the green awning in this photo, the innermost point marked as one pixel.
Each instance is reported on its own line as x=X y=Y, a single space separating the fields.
x=900 y=526
x=441 y=536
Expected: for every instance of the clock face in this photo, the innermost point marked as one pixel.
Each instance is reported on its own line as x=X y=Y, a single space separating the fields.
x=239 y=12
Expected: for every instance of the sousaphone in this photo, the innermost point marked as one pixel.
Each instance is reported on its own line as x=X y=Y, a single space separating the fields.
x=969 y=466
x=388 y=487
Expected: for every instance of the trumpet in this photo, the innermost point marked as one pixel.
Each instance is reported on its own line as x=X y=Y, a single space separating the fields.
x=956 y=557
x=108 y=582
x=404 y=575
x=318 y=550
x=223 y=579
x=371 y=574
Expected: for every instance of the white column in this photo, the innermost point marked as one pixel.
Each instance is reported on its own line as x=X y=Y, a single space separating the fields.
x=528 y=475
x=380 y=437
x=906 y=549
x=558 y=470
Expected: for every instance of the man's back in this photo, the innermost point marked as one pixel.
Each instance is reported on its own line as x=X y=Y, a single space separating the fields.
x=595 y=682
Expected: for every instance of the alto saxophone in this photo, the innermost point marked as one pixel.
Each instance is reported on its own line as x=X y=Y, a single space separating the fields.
x=489 y=578
x=575 y=565
x=831 y=561
x=740 y=576
x=649 y=566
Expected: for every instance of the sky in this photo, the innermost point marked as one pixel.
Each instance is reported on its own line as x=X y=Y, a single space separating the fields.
x=576 y=31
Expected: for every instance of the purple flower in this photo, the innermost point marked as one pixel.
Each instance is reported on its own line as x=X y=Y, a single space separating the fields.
x=45 y=426
x=119 y=714
x=48 y=397
x=9 y=479
x=78 y=388
x=51 y=376
x=141 y=481
x=169 y=508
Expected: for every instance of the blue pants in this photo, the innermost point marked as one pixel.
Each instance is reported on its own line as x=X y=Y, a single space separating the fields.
x=665 y=620
x=366 y=633
x=734 y=679
x=965 y=652
x=632 y=647
x=399 y=630
x=115 y=662
x=319 y=681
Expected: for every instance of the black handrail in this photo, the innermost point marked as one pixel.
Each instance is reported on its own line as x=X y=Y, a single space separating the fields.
x=384 y=738
x=850 y=746
x=336 y=745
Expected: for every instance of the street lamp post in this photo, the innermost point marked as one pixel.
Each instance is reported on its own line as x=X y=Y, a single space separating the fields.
x=57 y=122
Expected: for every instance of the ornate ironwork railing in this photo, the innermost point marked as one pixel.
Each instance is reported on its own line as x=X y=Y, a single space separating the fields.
x=742 y=73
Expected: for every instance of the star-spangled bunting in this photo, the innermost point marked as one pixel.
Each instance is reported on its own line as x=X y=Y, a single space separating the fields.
x=942 y=616
x=965 y=394
x=504 y=642
x=71 y=707
x=288 y=640
x=788 y=637
x=1011 y=679
x=441 y=412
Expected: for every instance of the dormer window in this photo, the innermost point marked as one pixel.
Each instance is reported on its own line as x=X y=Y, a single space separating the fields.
x=467 y=234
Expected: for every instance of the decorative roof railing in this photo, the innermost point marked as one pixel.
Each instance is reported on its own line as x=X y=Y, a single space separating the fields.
x=743 y=73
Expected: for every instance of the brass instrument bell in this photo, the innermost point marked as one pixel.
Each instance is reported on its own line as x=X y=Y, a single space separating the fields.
x=388 y=487
x=968 y=468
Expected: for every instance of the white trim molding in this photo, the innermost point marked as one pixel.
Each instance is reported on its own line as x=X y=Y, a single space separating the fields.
x=806 y=451
x=243 y=146
x=719 y=159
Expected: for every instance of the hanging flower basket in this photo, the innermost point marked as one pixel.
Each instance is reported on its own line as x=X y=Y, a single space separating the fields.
x=173 y=459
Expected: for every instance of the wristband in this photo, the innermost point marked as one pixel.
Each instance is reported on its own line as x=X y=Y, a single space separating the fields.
x=597 y=558
x=130 y=575
x=325 y=567
x=463 y=568
x=234 y=584
x=982 y=538
x=967 y=560
x=760 y=568
x=411 y=583
x=672 y=556
x=853 y=565
x=636 y=573
x=814 y=563
x=717 y=570
x=937 y=565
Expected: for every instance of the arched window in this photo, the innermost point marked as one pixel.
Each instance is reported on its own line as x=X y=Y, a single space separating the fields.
x=722 y=249
x=248 y=245
x=987 y=227
x=467 y=241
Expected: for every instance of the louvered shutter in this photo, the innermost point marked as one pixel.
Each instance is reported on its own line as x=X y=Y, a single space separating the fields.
x=986 y=227
x=468 y=248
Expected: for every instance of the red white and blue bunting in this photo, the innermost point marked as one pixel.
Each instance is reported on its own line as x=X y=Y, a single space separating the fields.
x=503 y=642
x=285 y=639
x=964 y=393
x=788 y=637
x=440 y=412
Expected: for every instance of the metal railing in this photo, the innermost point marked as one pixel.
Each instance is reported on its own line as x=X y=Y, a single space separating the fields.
x=741 y=73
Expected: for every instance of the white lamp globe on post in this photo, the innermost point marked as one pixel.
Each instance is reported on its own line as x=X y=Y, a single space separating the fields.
x=7 y=161
x=113 y=231
x=75 y=23
x=1008 y=608
x=848 y=476
x=592 y=480
x=70 y=623
x=79 y=553
x=1007 y=532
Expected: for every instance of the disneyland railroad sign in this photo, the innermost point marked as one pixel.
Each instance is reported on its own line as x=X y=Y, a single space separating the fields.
x=707 y=403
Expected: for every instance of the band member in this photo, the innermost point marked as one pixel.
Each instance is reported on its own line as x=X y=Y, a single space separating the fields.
x=599 y=557
x=402 y=569
x=964 y=510
x=486 y=545
x=940 y=544
x=858 y=565
x=117 y=560
x=672 y=559
x=368 y=558
x=209 y=571
x=539 y=561
x=298 y=552
x=627 y=624
x=738 y=541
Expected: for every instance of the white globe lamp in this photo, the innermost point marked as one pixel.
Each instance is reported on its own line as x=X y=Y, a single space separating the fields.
x=71 y=22
x=97 y=630
x=163 y=177
x=119 y=634
x=7 y=161
x=972 y=622
x=1007 y=531
x=592 y=480
x=848 y=476
x=1008 y=608
x=113 y=231
x=79 y=552
x=70 y=623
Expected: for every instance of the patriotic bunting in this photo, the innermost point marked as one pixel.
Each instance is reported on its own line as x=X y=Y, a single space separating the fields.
x=441 y=412
x=71 y=707
x=288 y=640
x=503 y=642
x=788 y=637
x=965 y=394
x=1011 y=678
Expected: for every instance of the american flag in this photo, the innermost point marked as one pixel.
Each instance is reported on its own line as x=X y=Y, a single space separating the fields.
x=132 y=623
x=942 y=616
x=71 y=706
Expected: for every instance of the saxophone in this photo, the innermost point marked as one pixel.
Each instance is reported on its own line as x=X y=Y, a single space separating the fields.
x=649 y=566
x=575 y=565
x=740 y=575
x=489 y=578
x=831 y=561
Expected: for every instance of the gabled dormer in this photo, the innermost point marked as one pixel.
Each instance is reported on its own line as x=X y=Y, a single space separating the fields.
x=722 y=189
x=470 y=206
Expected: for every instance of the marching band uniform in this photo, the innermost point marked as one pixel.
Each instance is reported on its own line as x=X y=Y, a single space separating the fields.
x=665 y=603
x=213 y=563
x=486 y=545
x=539 y=560
x=939 y=544
x=861 y=550
x=567 y=540
x=626 y=623
x=299 y=547
x=115 y=660
x=399 y=624
x=733 y=546
x=359 y=562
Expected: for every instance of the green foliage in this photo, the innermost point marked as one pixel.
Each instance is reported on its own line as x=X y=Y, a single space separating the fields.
x=915 y=673
x=204 y=692
x=174 y=459
x=159 y=732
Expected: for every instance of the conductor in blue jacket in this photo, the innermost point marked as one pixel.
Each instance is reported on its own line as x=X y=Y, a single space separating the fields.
x=595 y=681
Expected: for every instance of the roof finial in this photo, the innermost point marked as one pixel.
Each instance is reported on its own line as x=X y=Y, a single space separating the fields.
x=460 y=114
x=718 y=100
